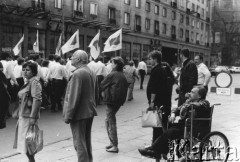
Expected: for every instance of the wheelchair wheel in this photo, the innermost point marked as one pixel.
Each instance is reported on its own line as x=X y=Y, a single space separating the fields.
x=214 y=147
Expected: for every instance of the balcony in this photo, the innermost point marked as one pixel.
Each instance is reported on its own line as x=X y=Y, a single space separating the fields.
x=138 y=28
x=198 y=15
x=156 y=32
x=174 y=4
x=188 y=11
x=38 y=5
x=78 y=13
x=187 y=40
x=197 y=42
x=173 y=36
x=207 y=19
x=112 y=21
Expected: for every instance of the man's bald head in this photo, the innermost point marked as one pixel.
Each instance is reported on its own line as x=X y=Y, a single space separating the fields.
x=79 y=57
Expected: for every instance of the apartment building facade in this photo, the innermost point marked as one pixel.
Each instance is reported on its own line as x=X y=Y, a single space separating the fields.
x=225 y=33
x=166 y=25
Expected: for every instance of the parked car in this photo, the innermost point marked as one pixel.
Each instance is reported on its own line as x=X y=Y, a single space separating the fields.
x=235 y=69
x=219 y=69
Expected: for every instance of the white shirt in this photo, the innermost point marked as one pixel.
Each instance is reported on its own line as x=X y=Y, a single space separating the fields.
x=142 y=65
x=18 y=71
x=45 y=72
x=204 y=74
x=108 y=68
x=51 y=63
x=97 y=67
x=69 y=68
x=8 y=68
x=57 y=71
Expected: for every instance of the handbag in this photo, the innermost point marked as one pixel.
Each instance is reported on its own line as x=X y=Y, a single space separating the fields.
x=151 y=119
x=34 y=139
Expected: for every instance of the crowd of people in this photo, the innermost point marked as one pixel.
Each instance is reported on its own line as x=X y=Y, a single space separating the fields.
x=36 y=83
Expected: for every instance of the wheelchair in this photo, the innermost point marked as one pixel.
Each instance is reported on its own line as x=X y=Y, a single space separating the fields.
x=214 y=146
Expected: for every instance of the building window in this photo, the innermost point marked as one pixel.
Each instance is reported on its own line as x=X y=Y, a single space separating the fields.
x=202 y=1
x=126 y=18
x=193 y=7
x=93 y=8
x=198 y=24
x=78 y=5
x=147 y=7
x=193 y=22
x=58 y=4
x=181 y=33
x=198 y=9
x=187 y=20
x=181 y=18
x=156 y=9
x=164 y=12
x=181 y=3
x=138 y=3
x=173 y=15
x=192 y=36
x=164 y=28
x=197 y=36
x=187 y=34
x=156 y=27
x=138 y=23
x=173 y=30
x=112 y=15
x=202 y=12
x=202 y=26
x=147 y=24
x=127 y=2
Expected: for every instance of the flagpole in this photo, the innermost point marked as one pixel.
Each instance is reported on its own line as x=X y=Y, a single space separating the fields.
x=63 y=35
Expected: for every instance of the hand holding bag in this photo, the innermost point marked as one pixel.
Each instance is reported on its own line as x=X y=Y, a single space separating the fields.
x=151 y=119
x=34 y=139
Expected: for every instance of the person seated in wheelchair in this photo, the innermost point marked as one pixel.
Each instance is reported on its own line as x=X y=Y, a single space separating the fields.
x=197 y=98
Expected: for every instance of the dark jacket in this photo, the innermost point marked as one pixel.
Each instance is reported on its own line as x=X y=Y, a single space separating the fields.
x=4 y=99
x=189 y=76
x=160 y=83
x=80 y=102
x=202 y=110
x=115 y=88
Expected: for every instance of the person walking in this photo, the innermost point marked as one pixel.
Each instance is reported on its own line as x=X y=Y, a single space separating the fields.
x=4 y=99
x=80 y=105
x=142 y=70
x=30 y=100
x=159 y=89
x=188 y=76
x=115 y=88
x=130 y=73
x=204 y=75
x=57 y=74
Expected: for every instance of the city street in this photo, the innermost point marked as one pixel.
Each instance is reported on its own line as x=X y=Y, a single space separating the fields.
x=58 y=139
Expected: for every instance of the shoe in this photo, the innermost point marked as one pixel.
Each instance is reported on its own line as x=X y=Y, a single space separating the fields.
x=113 y=149
x=149 y=153
x=108 y=147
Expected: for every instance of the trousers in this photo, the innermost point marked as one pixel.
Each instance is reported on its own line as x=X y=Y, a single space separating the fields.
x=111 y=124
x=81 y=131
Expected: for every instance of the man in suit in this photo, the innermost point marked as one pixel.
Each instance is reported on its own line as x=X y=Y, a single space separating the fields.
x=80 y=105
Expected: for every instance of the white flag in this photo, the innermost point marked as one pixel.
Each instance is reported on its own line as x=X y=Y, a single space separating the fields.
x=18 y=47
x=114 y=42
x=94 y=46
x=36 y=45
x=72 y=43
x=58 y=48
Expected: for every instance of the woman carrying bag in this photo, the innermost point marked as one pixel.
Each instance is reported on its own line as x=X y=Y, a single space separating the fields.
x=29 y=107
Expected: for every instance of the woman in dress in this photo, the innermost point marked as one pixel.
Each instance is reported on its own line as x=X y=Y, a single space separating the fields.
x=29 y=107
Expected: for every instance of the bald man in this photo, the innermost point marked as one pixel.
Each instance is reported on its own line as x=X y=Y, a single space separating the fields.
x=80 y=105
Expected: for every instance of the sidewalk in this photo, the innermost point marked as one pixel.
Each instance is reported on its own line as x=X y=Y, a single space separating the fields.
x=130 y=134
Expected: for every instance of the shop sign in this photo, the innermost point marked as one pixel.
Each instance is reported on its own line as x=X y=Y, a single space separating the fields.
x=7 y=49
x=223 y=91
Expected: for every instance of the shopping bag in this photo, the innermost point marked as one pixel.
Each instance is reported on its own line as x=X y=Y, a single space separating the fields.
x=34 y=139
x=151 y=119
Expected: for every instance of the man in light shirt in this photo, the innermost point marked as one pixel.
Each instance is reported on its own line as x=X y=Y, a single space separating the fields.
x=142 y=70
x=100 y=70
x=204 y=74
x=57 y=74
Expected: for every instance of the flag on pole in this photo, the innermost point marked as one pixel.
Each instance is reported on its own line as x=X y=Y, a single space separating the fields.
x=72 y=43
x=94 y=46
x=18 y=47
x=58 y=48
x=114 y=42
x=36 y=45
